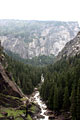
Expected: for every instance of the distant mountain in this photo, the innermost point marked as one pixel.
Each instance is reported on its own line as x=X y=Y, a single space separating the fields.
x=71 y=48
x=35 y=61
x=16 y=77
x=36 y=38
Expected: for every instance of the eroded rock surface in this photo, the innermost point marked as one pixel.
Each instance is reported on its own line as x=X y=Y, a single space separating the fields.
x=7 y=86
x=34 y=38
x=71 y=48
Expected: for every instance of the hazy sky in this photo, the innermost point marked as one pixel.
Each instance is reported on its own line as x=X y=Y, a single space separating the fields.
x=64 y=10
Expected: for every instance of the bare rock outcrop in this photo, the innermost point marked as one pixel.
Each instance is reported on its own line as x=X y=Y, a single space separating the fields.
x=71 y=48
x=35 y=38
x=7 y=86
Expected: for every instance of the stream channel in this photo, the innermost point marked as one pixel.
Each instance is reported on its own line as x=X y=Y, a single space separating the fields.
x=42 y=105
x=37 y=99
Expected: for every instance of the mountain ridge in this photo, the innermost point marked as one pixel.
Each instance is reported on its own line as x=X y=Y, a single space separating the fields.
x=71 y=48
x=35 y=38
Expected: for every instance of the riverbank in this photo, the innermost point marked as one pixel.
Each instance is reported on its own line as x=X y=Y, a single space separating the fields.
x=36 y=99
x=45 y=113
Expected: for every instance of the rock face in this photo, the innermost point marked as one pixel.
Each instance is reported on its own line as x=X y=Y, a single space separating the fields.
x=9 y=101
x=71 y=48
x=34 y=38
x=7 y=86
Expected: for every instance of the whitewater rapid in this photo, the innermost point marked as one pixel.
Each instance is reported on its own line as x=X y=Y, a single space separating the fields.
x=42 y=105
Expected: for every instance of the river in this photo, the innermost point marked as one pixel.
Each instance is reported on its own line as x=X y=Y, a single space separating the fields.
x=37 y=99
x=42 y=105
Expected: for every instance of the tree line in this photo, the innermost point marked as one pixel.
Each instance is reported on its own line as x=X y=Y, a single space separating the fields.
x=61 y=87
x=26 y=76
x=41 y=60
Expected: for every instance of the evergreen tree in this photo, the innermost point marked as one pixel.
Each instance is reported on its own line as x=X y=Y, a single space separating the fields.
x=55 y=98
x=63 y=86
x=50 y=99
x=26 y=76
x=78 y=101
x=73 y=103
x=60 y=96
x=66 y=102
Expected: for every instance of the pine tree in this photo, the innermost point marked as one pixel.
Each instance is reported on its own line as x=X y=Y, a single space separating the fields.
x=66 y=102
x=78 y=101
x=50 y=99
x=60 y=96
x=55 y=98
x=73 y=103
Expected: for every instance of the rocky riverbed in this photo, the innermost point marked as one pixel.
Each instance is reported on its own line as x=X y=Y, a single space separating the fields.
x=36 y=98
x=44 y=114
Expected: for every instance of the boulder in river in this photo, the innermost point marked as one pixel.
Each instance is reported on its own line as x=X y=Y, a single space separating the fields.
x=51 y=117
x=35 y=89
x=49 y=112
x=40 y=116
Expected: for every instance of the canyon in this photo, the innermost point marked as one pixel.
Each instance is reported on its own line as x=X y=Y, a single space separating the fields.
x=35 y=38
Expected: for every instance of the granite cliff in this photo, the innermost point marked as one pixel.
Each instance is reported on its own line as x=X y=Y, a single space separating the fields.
x=14 y=105
x=7 y=86
x=71 y=48
x=34 y=38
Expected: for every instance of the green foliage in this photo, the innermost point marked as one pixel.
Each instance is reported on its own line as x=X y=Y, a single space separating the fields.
x=29 y=117
x=9 y=101
x=35 y=61
x=26 y=76
x=73 y=102
x=62 y=83
x=12 y=112
x=78 y=101
x=66 y=102
x=56 y=98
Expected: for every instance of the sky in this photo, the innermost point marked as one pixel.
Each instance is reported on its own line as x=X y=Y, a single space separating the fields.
x=60 y=10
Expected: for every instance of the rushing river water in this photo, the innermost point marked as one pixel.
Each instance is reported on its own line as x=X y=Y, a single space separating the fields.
x=41 y=104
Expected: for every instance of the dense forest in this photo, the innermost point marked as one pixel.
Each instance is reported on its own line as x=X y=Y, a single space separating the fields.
x=26 y=76
x=41 y=60
x=61 y=87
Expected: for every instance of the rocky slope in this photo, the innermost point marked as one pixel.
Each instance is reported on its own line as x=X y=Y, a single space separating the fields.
x=7 y=86
x=71 y=48
x=14 y=105
x=34 y=38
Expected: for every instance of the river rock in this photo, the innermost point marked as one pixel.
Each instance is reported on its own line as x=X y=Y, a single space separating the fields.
x=35 y=89
x=51 y=117
x=48 y=112
x=40 y=116
x=4 y=113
